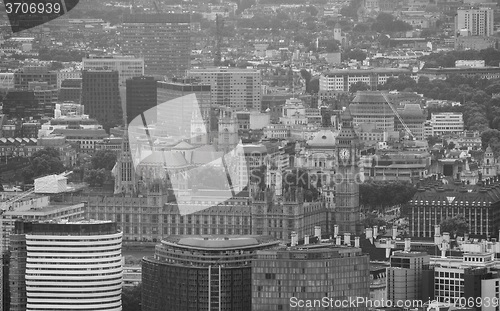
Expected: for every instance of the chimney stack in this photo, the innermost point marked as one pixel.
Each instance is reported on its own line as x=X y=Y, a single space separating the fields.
x=338 y=241
x=306 y=239
x=394 y=232
x=437 y=230
x=356 y=241
x=294 y=240
x=375 y=232
x=446 y=237
x=347 y=239
x=407 y=244
x=335 y=231
x=369 y=234
x=444 y=248
x=317 y=232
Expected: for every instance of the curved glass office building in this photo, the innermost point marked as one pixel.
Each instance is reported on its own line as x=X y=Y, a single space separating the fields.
x=201 y=273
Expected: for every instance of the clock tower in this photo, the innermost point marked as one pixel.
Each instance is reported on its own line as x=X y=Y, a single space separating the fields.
x=347 y=211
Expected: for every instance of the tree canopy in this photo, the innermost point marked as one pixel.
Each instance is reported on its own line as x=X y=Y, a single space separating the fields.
x=104 y=159
x=385 y=23
x=131 y=298
x=43 y=162
x=455 y=226
x=381 y=194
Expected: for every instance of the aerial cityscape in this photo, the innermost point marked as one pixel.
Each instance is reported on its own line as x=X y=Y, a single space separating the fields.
x=249 y=155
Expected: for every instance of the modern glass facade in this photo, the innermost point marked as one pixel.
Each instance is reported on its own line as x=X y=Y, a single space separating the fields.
x=201 y=273
x=309 y=273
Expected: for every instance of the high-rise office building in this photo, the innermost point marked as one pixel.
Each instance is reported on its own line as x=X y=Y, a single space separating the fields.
x=163 y=40
x=309 y=272
x=474 y=22
x=71 y=90
x=239 y=89
x=405 y=276
x=201 y=273
x=174 y=90
x=101 y=96
x=65 y=266
x=127 y=66
x=141 y=96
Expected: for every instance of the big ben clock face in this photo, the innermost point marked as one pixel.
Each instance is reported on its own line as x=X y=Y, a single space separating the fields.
x=344 y=154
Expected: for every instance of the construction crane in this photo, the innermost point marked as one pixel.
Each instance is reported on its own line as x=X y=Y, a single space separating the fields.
x=5 y=206
x=219 y=25
x=157 y=7
x=396 y=113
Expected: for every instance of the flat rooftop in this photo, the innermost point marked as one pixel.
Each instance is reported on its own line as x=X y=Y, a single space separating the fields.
x=219 y=241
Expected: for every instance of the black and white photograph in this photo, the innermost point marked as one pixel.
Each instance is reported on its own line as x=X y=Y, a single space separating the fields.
x=249 y=155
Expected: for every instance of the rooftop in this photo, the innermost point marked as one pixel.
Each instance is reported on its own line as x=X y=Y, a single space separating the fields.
x=219 y=242
x=369 y=97
x=366 y=71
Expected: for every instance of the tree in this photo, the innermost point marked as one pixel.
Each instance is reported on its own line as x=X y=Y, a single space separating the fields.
x=371 y=220
x=104 y=159
x=361 y=27
x=354 y=54
x=56 y=66
x=43 y=162
x=97 y=177
x=489 y=136
x=455 y=226
x=382 y=194
x=313 y=85
x=312 y=10
x=131 y=298
x=359 y=86
x=432 y=140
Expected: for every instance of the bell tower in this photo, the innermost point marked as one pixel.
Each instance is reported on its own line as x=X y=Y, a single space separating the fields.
x=199 y=136
x=347 y=210
x=489 y=163
x=228 y=131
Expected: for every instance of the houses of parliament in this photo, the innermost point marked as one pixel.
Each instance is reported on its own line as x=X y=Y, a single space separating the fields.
x=156 y=195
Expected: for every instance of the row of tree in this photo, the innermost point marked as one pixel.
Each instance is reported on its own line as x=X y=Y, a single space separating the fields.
x=47 y=161
x=378 y=195
x=490 y=56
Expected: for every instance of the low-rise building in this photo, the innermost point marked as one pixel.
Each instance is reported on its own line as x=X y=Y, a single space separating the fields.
x=342 y=79
x=447 y=123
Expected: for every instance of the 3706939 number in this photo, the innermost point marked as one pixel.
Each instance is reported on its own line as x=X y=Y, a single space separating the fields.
x=33 y=8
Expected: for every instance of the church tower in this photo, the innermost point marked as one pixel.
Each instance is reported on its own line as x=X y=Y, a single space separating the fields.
x=489 y=163
x=199 y=136
x=347 y=208
x=124 y=172
x=228 y=131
